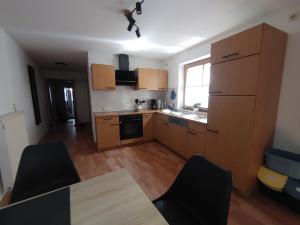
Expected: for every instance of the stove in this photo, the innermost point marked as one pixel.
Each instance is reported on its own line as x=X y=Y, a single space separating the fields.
x=131 y=125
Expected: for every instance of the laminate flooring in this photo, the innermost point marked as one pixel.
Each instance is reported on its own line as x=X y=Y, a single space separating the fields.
x=154 y=167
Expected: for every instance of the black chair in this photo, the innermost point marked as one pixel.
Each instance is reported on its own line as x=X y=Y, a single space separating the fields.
x=200 y=195
x=43 y=168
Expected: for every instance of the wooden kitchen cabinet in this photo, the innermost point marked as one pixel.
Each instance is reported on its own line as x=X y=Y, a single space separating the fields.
x=148 y=126
x=178 y=139
x=163 y=79
x=103 y=77
x=108 y=132
x=236 y=77
x=147 y=79
x=245 y=85
x=239 y=45
x=196 y=143
x=229 y=134
x=162 y=132
x=152 y=79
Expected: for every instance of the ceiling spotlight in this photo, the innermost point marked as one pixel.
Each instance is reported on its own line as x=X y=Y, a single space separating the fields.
x=130 y=19
x=138 y=8
x=137 y=31
x=129 y=28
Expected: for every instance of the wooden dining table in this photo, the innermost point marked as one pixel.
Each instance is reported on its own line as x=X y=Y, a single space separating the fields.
x=111 y=199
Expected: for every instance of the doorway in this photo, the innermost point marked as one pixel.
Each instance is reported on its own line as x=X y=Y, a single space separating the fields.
x=61 y=94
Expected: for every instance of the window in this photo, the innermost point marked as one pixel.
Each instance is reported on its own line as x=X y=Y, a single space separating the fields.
x=196 y=85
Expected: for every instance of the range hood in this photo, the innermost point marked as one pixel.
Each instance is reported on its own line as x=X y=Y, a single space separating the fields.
x=123 y=75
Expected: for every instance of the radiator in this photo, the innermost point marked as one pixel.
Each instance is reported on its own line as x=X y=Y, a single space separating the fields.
x=13 y=140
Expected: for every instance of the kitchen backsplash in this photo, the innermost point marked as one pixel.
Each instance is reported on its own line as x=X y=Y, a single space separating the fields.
x=122 y=98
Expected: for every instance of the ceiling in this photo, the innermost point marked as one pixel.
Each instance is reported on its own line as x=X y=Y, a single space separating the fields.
x=64 y=30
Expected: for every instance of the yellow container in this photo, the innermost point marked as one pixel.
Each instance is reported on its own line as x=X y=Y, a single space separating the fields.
x=271 y=179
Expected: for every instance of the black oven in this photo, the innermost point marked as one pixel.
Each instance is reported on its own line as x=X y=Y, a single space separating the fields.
x=131 y=126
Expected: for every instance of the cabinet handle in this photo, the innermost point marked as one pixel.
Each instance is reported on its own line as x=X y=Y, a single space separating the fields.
x=115 y=124
x=142 y=88
x=230 y=55
x=107 y=118
x=166 y=124
x=110 y=87
x=212 y=131
x=215 y=92
x=192 y=133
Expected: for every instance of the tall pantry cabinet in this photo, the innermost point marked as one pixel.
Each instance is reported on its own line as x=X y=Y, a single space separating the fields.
x=244 y=91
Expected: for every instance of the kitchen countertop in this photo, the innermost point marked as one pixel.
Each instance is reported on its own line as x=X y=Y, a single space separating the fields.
x=186 y=116
x=190 y=117
x=129 y=112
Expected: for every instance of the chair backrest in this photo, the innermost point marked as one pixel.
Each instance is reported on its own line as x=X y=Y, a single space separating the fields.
x=43 y=168
x=203 y=189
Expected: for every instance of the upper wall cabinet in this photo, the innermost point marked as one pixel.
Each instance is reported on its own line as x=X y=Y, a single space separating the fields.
x=103 y=77
x=152 y=79
x=239 y=45
x=163 y=79
x=147 y=79
x=236 y=77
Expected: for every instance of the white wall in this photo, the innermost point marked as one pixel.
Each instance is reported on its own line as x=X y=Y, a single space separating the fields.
x=122 y=98
x=288 y=120
x=81 y=90
x=15 y=88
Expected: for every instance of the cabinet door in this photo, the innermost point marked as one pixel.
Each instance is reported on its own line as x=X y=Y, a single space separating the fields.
x=239 y=45
x=178 y=139
x=147 y=79
x=162 y=131
x=148 y=126
x=163 y=79
x=229 y=134
x=236 y=77
x=103 y=77
x=108 y=135
x=143 y=75
x=196 y=143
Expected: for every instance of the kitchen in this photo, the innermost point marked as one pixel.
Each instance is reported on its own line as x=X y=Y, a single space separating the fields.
x=238 y=99
x=172 y=121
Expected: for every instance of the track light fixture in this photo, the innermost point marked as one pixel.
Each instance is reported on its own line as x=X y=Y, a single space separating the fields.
x=128 y=14
x=129 y=28
x=138 y=7
x=137 y=31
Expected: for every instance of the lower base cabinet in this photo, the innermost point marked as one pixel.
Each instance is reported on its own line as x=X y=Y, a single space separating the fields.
x=108 y=135
x=178 y=139
x=162 y=132
x=147 y=126
x=196 y=143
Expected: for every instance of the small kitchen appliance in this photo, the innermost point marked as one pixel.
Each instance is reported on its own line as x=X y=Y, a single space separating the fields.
x=156 y=104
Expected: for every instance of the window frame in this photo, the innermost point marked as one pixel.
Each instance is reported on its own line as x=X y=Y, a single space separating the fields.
x=186 y=67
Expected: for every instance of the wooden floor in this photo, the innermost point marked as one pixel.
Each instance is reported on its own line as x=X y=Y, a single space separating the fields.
x=154 y=168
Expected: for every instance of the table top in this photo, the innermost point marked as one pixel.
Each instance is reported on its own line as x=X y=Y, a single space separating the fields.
x=113 y=198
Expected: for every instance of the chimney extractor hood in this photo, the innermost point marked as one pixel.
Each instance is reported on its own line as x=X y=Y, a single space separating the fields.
x=123 y=75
